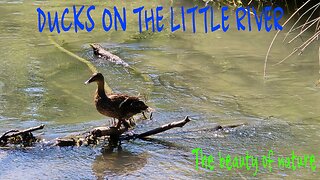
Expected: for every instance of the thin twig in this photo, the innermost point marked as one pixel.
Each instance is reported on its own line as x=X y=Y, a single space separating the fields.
x=4 y=135
x=309 y=41
x=296 y=22
x=164 y=128
x=311 y=14
x=299 y=27
x=14 y=133
x=302 y=31
x=301 y=48
x=270 y=46
x=319 y=59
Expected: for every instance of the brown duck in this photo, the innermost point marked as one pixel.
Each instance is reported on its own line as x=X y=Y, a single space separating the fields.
x=119 y=106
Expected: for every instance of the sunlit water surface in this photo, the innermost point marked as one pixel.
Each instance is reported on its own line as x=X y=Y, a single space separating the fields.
x=215 y=78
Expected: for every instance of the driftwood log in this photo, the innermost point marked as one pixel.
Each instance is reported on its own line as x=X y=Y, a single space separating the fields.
x=157 y=130
x=112 y=134
x=116 y=135
x=25 y=136
x=106 y=55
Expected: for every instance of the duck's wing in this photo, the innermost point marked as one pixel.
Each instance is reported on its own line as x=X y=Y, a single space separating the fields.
x=119 y=98
x=128 y=104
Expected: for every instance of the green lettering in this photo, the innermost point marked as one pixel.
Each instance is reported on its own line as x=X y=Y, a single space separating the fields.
x=287 y=162
x=235 y=162
x=281 y=162
x=204 y=161
x=270 y=161
x=300 y=162
x=255 y=164
x=211 y=160
x=221 y=161
x=242 y=163
x=293 y=157
x=196 y=152
x=312 y=160
x=247 y=160
x=228 y=160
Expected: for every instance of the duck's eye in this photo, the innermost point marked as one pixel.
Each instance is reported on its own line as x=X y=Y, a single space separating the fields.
x=139 y=104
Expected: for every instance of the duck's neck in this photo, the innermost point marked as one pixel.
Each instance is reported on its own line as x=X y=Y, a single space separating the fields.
x=100 y=89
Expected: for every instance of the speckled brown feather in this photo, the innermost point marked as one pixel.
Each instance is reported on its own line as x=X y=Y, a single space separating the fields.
x=119 y=106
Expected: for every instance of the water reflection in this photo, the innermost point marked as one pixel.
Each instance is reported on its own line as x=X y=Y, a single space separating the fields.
x=118 y=164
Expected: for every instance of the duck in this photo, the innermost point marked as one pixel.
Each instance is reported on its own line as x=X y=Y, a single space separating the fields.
x=119 y=106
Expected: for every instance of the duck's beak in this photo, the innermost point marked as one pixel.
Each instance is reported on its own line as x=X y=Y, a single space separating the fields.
x=88 y=81
x=92 y=45
x=149 y=109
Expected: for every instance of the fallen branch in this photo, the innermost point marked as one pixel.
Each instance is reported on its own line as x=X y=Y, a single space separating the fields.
x=107 y=131
x=20 y=132
x=106 y=55
x=218 y=127
x=112 y=134
x=91 y=137
x=25 y=134
x=178 y=124
x=164 y=128
x=115 y=134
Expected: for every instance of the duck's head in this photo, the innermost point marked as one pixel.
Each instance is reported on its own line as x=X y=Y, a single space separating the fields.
x=96 y=48
x=96 y=77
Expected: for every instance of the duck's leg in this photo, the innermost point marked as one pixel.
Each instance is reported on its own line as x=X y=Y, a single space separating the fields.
x=114 y=122
x=119 y=123
x=132 y=122
x=125 y=123
x=144 y=115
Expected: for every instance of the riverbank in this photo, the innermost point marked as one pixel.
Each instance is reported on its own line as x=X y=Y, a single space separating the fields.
x=288 y=6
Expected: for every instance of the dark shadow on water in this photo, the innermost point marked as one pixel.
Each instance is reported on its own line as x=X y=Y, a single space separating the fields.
x=120 y=163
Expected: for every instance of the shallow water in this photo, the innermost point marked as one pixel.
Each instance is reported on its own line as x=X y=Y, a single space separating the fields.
x=215 y=78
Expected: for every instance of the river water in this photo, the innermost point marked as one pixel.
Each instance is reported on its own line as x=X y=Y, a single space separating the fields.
x=215 y=78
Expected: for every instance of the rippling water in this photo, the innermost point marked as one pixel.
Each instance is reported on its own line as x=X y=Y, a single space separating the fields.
x=215 y=78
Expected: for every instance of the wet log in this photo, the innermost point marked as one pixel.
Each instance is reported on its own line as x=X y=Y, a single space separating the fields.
x=164 y=128
x=115 y=135
x=112 y=131
x=107 y=131
x=106 y=55
x=14 y=133
x=91 y=138
x=178 y=124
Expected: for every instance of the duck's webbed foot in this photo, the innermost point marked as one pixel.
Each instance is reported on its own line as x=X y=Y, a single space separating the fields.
x=119 y=123
x=132 y=122
x=127 y=124
x=113 y=122
x=144 y=115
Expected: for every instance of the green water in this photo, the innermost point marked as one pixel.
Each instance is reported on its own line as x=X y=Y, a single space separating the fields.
x=216 y=78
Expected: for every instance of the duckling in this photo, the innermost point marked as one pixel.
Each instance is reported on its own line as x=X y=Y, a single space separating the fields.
x=119 y=106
